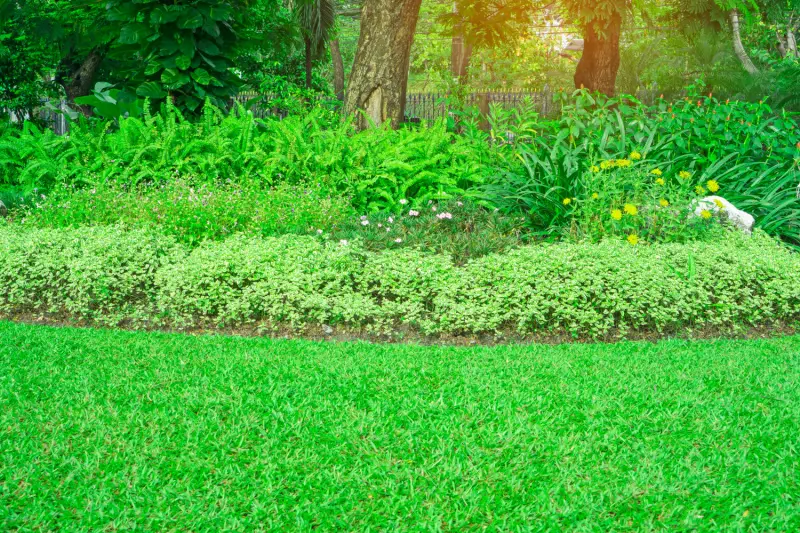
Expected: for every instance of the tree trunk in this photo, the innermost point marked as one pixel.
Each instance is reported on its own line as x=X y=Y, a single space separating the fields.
x=460 y=53
x=338 y=70
x=782 y=44
x=81 y=79
x=738 y=47
x=460 y=56
x=380 y=69
x=599 y=64
x=308 y=61
x=791 y=43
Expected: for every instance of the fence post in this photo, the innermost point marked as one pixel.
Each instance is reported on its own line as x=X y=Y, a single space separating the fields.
x=545 y=99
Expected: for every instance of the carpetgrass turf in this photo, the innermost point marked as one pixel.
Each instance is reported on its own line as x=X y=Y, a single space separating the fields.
x=121 y=431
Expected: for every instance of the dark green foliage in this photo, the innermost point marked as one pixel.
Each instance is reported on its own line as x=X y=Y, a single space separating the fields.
x=185 y=49
x=25 y=56
x=110 y=103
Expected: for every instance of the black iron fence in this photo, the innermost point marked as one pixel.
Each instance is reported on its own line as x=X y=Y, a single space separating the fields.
x=419 y=106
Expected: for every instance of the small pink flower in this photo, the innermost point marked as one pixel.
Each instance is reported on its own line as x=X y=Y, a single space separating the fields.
x=442 y=216
x=413 y=213
x=365 y=222
x=403 y=201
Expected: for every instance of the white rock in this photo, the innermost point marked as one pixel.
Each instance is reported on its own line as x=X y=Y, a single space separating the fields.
x=740 y=219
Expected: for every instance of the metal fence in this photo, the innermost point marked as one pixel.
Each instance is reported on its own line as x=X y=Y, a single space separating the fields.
x=52 y=117
x=419 y=106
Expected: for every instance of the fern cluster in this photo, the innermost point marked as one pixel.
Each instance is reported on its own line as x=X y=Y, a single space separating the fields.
x=377 y=168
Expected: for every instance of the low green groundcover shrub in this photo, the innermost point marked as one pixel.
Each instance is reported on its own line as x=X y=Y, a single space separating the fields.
x=110 y=275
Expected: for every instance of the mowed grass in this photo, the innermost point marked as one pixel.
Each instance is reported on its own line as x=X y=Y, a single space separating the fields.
x=120 y=431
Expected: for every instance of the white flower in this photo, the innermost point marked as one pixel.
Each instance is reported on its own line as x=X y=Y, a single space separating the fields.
x=388 y=229
x=380 y=225
x=319 y=232
x=398 y=241
x=403 y=201
x=343 y=242
x=460 y=204
x=433 y=209
x=365 y=222
x=363 y=217
x=391 y=220
x=413 y=213
x=442 y=216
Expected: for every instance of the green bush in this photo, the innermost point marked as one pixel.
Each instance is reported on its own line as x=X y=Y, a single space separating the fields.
x=749 y=149
x=103 y=274
x=599 y=290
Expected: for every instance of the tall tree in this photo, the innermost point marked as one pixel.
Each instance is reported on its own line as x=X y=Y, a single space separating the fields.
x=316 y=19
x=338 y=70
x=601 y=23
x=380 y=69
x=738 y=47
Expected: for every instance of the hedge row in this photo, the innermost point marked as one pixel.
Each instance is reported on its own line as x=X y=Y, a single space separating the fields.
x=110 y=275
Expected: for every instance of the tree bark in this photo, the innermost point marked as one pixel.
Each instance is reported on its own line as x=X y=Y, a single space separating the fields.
x=599 y=64
x=309 y=64
x=738 y=47
x=460 y=56
x=460 y=53
x=782 y=44
x=338 y=70
x=380 y=69
x=81 y=79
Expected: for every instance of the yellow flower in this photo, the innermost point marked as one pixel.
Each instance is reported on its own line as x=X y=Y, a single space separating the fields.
x=719 y=203
x=656 y=172
x=595 y=196
x=595 y=168
x=606 y=164
x=661 y=181
x=633 y=239
x=623 y=163
x=699 y=190
x=705 y=213
x=616 y=214
x=566 y=201
x=635 y=156
x=631 y=210
x=684 y=175
x=712 y=185
x=663 y=203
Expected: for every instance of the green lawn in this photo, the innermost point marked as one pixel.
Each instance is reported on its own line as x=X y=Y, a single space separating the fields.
x=118 y=431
